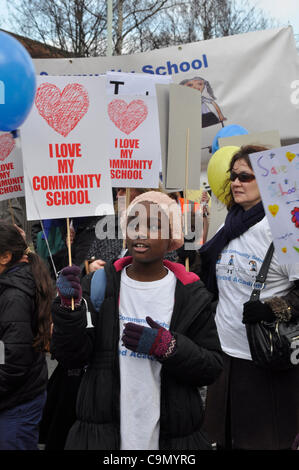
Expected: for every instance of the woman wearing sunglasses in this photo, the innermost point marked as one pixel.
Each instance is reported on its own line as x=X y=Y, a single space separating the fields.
x=248 y=407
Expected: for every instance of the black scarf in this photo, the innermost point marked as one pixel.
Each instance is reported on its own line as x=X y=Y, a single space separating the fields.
x=236 y=223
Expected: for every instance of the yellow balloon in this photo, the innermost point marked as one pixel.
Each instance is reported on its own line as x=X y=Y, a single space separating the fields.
x=217 y=170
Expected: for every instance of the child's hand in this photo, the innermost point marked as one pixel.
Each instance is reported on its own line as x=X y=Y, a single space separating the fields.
x=21 y=231
x=155 y=340
x=95 y=265
x=68 y=286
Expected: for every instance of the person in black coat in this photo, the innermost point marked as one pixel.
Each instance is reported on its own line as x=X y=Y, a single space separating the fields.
x=140 y=386
x=26 y=294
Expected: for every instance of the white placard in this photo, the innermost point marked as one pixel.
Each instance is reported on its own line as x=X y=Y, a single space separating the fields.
x=11 y=167
x=133 y=87
x=277 y=174
x=119 y=83
x=64 y=144
x=134 y=141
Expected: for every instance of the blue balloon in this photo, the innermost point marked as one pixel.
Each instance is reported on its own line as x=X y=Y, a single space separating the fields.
x=17 y=83
x=227 y=131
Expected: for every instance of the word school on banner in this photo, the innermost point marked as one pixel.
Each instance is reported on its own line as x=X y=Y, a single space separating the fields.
x=64 y=142
x=277 y=173
x=11 y=168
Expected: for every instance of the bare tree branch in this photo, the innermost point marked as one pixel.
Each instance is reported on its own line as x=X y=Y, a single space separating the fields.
x=79 y=26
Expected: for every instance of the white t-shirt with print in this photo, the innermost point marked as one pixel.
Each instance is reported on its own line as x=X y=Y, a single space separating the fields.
x=236 y=270
x=139 y=373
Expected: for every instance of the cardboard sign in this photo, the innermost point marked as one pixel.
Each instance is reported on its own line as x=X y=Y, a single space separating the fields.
x=134 y=134
x=120 y=83
x=268 y=139
x=184 y=113
x=64 y=143
x=277 y=174
x=11 y=168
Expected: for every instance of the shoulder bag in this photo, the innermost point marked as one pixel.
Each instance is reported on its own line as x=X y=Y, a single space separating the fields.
x=272 y=344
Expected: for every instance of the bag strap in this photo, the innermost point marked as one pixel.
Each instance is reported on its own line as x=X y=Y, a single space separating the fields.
x=98 y=288
x=261 y=277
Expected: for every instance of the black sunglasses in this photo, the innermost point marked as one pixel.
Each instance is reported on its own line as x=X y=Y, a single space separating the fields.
x=242 y=177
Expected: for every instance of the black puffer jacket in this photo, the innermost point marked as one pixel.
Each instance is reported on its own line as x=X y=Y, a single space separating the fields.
x=23 y=376
x=196 y=362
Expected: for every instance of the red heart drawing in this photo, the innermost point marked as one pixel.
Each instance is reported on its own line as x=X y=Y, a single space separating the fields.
x=62 y=110
x=127 y=117
x=7 y=144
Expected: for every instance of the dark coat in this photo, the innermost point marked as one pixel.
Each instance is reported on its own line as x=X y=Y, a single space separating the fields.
x=59 y=413
x=24 y=374
x=252 y=408
x=196 y=362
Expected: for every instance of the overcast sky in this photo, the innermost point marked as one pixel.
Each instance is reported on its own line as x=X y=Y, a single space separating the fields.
x=284 y=11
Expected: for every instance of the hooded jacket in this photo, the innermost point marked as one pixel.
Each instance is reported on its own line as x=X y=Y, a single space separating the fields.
x=197 y=361
x=23 y=376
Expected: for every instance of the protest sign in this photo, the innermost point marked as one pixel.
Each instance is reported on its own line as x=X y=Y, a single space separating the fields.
x=277 y=174
x=64 y=143
x=11 y=168
x=120 y=83
x=184 y=113
x=133 y=130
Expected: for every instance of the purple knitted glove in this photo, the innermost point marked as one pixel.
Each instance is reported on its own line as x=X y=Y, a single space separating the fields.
x=68 y=286
x=155 y=340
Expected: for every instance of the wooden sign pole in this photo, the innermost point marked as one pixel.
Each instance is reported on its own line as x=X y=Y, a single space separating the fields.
x=128 y=197
x=185 y=191
x=68 y=241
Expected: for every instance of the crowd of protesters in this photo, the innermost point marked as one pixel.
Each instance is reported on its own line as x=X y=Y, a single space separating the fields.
x=138 y=326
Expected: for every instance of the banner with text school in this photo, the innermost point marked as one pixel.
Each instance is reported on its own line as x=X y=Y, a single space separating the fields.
x=277 y=173
x=250 y=79
x=64 y=144
x=11 y=167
